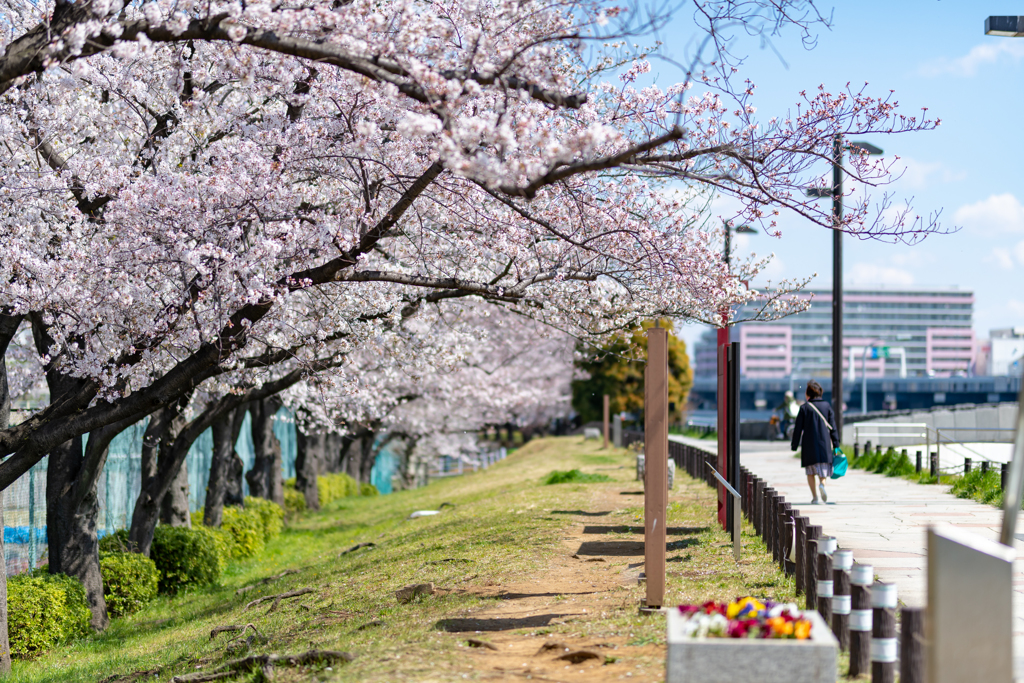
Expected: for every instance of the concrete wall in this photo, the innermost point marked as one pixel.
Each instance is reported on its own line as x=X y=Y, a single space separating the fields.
x=968 y=423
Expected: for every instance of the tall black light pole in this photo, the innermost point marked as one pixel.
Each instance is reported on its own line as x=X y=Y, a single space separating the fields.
x=1011 y=27
x=837 y=265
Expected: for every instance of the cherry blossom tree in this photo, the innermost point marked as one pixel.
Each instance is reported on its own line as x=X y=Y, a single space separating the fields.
x=191 y=193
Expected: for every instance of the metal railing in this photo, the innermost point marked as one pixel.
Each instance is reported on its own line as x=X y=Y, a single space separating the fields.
x=930 y=435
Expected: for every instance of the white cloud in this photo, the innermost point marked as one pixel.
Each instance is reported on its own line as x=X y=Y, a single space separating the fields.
x=873 y=275
x=998 y=213
x=1002 y=257
x=979 y=55
x=1016 y=307
x=917 y=175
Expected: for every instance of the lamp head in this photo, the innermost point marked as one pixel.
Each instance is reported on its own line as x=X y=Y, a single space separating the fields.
x=1011 y=27
x=867 y=147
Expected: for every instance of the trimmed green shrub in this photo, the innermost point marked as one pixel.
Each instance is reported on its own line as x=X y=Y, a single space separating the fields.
x=186 y=557
x=294 y=502
x=331 y=487
x=368 y=490
x=247 y=527
x=574 y=477
x=44 y=610
x=271 y=515
x=116 y=542
x=130 y=580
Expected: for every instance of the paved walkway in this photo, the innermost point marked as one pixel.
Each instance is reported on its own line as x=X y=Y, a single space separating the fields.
x=883 y=520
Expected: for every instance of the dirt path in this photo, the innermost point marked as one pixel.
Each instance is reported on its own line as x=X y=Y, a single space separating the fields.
x=573 y=622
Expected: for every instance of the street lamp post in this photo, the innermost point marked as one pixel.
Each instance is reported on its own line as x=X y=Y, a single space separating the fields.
x=723 y=379
x=837 y=265
x=1012 y=27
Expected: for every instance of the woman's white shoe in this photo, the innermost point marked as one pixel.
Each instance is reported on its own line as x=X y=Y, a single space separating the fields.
x=824 y=495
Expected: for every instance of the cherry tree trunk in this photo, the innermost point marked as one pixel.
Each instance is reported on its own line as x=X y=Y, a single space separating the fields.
x=174 y=507
x=332 y=453
x=157 y=443
x=265 y=478
x=225 y=483
x=8 y=328
x=71 y=527
x=308 y=456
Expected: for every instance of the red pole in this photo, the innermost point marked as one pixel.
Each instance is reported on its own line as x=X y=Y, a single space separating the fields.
x=723 y=425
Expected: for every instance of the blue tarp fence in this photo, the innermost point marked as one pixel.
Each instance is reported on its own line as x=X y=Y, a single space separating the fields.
x=119 y=486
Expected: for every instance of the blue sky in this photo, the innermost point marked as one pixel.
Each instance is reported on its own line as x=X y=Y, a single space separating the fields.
x=933 y=54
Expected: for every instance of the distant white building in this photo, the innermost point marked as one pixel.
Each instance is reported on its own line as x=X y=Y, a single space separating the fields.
x=1006 y=351
x=929 y=330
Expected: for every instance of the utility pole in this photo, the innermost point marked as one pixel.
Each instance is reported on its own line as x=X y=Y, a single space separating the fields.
x=837 y=281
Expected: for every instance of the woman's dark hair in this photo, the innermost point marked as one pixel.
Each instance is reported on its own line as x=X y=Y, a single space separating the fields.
x=814 y=390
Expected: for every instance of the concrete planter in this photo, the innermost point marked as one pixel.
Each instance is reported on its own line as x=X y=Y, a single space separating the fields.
x=743 y=660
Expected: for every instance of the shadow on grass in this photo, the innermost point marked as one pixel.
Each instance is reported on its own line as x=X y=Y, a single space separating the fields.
x=611 y=548
x=623 y=529
x=582 y=513
x=497 y=624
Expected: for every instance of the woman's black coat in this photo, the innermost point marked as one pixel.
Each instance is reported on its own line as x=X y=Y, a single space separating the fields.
x=817 y=441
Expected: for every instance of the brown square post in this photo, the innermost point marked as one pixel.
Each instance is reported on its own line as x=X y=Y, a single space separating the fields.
x=656 y=465
x=606 y=410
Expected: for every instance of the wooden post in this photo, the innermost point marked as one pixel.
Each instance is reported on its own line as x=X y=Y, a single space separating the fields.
x=825 y=587
x=984 y=466
x=917 y=465
x=785 y=533
x=773 y=525
x=811 y=582
x=607 y=408
x=911 y=645
x=801 y=541
x=789 y=565
x=656 y=464
x=758 y=503
x=883 y=633
x=933 y=464
x=748 y=494
x=1004 y=473
x=842 y=562
x=967 y=465
x=856 y=451
x=861 y=578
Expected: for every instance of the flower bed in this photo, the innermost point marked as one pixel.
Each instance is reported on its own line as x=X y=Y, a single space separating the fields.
x=749 y=640
x=745 y=618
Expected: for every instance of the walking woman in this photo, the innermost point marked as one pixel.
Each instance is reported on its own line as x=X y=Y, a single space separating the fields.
x=815 y=432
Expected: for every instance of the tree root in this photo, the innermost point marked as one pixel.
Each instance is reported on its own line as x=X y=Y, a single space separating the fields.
x=232 y=627
x=278 y=598
x=356 y=547
x=265 y=664
x=265 y=581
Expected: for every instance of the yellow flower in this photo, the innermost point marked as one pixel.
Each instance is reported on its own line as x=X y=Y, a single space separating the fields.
x=747 y=607
x=803 y=629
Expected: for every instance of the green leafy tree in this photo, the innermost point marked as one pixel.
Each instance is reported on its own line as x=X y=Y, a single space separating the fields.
x=617 y=369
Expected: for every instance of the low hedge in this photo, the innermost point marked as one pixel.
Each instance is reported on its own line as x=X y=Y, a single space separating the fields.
x=271 y=515
x=243 y=529
x=186 y=557
x=294 y=501
x=329 y=487
x=130 y=580
x=44 y=610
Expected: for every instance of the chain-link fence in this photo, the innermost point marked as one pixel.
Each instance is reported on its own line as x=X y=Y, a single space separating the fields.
x=118 y=488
